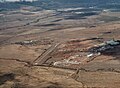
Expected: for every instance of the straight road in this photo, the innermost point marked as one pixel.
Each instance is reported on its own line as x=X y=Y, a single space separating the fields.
x=43 y=58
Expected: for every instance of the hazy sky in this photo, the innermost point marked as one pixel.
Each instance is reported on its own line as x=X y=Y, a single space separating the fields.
x=17 y=0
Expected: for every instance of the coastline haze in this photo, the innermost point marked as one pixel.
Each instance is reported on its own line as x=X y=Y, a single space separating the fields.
x=17 y=0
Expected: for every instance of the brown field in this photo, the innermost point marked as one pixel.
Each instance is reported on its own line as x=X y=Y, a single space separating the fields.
x=30 y=44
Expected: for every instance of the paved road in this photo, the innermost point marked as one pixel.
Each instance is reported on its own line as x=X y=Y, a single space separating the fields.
x=43 y=58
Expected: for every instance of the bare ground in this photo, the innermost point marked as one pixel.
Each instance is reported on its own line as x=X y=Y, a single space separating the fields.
x=17 y=71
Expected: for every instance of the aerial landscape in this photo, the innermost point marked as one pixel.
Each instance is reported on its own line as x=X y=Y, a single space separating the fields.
x=60 y=44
